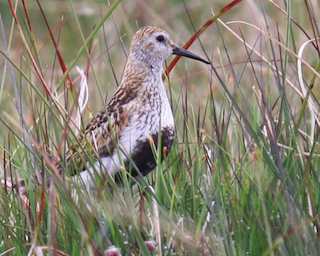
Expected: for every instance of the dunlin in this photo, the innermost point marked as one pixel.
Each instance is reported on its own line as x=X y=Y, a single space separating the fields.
x=137 y=115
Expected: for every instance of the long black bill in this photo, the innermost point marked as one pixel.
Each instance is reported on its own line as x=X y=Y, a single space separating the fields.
x=183 y=52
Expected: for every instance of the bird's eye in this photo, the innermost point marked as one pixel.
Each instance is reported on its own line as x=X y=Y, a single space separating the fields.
x=160 y=38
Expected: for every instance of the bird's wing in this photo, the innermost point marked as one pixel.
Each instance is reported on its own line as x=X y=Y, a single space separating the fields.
x=100 y=138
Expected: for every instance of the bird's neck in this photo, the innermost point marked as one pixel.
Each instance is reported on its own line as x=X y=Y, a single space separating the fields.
x=139 y=81
x=138 y=73
x=144 y=63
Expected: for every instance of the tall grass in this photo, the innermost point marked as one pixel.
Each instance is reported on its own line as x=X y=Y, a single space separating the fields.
x=242 y=177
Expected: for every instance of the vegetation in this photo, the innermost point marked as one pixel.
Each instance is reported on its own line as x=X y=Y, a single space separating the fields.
x=242 y=177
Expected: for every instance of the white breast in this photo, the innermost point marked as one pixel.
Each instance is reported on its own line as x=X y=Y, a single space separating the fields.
x=147 y=119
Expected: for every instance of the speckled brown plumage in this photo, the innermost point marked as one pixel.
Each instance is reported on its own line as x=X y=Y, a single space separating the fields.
x=138 y=111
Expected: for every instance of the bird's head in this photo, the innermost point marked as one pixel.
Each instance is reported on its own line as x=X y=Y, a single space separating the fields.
x=153 y=45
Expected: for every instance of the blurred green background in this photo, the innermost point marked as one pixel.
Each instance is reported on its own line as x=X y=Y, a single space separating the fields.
x=249 y=191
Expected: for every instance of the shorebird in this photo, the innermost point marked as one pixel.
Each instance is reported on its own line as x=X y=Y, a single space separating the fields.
x=138 y=114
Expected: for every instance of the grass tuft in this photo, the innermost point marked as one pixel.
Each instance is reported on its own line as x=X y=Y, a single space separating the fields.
x=242 y=176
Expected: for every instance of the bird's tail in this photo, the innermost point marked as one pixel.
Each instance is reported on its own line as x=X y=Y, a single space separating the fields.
x=19 y=187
